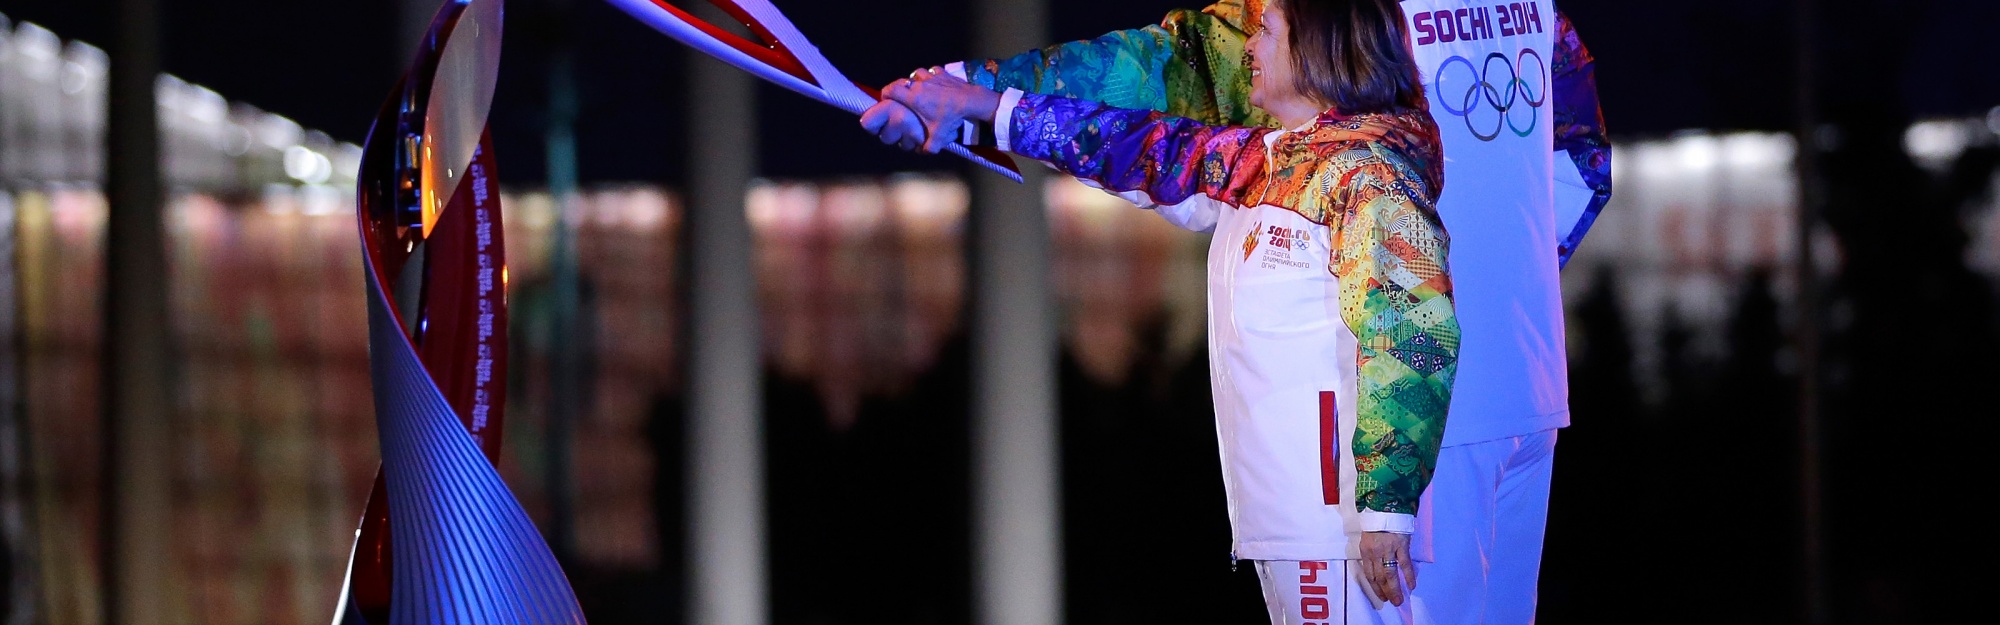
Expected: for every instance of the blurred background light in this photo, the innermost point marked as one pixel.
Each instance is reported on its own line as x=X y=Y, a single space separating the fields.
x=1936 y=143
x=84 y=66
x=278 y=132
x=1696 y=151
x=307 y=166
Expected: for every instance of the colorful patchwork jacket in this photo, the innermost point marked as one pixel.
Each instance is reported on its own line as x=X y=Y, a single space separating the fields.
x=1192 y=65
x=1336 y=302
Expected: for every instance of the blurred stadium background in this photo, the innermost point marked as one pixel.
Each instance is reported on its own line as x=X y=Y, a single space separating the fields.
x=1682 y=309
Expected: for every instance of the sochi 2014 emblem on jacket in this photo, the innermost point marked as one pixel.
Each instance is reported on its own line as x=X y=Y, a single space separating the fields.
x=1250 y=242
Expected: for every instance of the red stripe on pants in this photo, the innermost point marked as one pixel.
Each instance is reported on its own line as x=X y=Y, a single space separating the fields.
x=1329 y=467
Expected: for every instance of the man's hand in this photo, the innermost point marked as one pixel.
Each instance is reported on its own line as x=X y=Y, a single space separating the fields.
x=1378 y=550
x=941 y=101
x=894 y=124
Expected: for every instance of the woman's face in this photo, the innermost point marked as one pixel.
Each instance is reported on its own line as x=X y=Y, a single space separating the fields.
x=1271 y=68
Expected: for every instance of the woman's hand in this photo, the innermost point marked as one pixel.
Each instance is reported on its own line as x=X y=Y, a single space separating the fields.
x=1378 y=551
x=942 y=104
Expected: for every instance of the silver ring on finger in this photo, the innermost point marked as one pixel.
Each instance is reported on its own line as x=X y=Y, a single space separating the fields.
x=1389 y=563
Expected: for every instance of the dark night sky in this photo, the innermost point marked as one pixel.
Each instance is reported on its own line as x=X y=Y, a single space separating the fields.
x=1663 y=66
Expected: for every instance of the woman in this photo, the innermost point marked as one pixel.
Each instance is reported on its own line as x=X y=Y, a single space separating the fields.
x=1332 y=325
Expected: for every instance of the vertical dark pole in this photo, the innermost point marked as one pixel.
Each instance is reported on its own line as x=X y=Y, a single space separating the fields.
x=138 y=400
x=728 y=544
x=1017 y=462
x=1813 y=541
x=566 y=387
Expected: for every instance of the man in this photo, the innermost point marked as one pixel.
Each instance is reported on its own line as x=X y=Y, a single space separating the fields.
x=1478 y=530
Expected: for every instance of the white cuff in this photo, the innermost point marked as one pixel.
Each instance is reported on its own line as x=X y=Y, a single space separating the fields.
x=1372 y=521
x=957 y=70
x=1003 y=119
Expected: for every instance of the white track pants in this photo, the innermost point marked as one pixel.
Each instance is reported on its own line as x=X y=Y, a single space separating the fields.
x=1321 y=593
x=1479 y=532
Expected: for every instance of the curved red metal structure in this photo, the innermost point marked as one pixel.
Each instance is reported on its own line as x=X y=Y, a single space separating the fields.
x=442 y=539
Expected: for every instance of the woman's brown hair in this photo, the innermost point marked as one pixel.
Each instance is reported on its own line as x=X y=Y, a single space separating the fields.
x=1353 y=54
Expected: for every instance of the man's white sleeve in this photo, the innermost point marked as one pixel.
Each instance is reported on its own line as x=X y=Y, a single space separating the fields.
x=1372 y=521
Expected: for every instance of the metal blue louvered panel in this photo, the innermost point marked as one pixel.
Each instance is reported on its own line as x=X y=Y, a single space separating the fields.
x=466 y=552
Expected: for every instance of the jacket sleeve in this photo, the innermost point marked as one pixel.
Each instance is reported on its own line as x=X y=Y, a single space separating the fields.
x=1170 y=159
x=1580 y=127
x=1396 y=295
x=1190 y=65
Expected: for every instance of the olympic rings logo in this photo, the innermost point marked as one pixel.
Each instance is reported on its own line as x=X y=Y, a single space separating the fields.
x=1505 y=97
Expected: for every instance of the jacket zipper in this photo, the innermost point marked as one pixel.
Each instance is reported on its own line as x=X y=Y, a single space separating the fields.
x=1270 y=161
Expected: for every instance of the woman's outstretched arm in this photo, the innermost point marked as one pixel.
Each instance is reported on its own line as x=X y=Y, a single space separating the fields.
x=1170 y=159
x=1190 y=65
